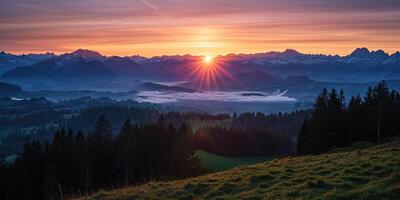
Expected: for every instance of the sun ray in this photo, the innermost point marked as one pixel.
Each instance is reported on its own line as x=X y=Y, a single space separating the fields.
x=208 y=73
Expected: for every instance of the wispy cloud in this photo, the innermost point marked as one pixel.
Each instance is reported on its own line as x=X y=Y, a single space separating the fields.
x=158 y=27
x=152 y=6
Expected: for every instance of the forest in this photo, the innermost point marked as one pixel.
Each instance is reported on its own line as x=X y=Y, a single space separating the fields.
x=161 y=146
x=335 y=124
x=85 y=119
x=73 y=164
x=79 y=163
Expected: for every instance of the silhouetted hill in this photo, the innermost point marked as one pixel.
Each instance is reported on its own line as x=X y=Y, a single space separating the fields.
x=123 y=66
x=15 y=91
x=7 y=89
x=255 y=78
x=297 y=80
x=159 y=87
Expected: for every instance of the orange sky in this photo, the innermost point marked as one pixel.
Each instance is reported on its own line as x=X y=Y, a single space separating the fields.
x=158 y=27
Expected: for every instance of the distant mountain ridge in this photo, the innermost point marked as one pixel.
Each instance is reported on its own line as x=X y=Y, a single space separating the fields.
x=10 y=61
x=7 y=89
x=159 y=87
x=16 y=91
x=361 y=65
x=78 y=64
x=291 y=55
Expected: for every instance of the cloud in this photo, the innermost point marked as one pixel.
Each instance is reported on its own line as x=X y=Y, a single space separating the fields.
x=150 y=5
x=239 y=96
x=126 y=27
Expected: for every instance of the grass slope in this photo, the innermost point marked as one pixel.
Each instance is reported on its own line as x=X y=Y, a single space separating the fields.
x=219 y=163
x=371 y=173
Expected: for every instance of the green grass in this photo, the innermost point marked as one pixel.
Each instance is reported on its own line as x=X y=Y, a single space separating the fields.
x=369 y=174
x=219 y=163
x=355 y=146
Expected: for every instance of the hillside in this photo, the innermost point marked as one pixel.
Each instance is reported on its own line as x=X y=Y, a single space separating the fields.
x=372 y=173
x=7 y=89
x=220 y=163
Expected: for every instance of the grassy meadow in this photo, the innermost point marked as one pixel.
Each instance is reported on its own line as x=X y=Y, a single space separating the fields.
x=366 y=173
x=220 y=163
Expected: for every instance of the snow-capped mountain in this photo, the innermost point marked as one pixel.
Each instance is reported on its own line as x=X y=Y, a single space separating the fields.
x=78 y=64
x=360 y=56
x=361 y=65
x=85 y=54
x=10 y=61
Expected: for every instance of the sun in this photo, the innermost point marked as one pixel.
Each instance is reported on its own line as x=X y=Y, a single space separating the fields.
x=208 y=73
x=208 y=59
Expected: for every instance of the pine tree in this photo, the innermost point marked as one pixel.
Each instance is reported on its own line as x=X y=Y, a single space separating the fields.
x=30 y=167
x=81 y=168
x=125 y=146
x=318 y=124
x=100 y=153
x=303 y=146
x=376 y=106
x=354 y=127
x=185 y=163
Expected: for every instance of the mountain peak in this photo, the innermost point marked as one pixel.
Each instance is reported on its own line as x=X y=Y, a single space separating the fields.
x=291 y=52
x=395 y=57
x=397 y=53
x=380 y=54
x=87 y=54
x=360 y=53
x=3 y=53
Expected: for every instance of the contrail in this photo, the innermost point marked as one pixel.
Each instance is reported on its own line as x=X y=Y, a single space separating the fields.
x=150 y=5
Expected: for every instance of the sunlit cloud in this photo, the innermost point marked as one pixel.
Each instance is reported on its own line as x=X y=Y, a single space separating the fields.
x=127 y=27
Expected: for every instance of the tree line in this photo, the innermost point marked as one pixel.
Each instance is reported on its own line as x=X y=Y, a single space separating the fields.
x=252 y=134
x=334 y=124
x=75 y=164
x=284 y=123
x=84 y=120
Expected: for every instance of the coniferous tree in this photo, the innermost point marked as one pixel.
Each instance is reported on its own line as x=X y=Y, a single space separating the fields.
x=302 y=140
x=371 y=118
x=100 y=153
x=29 y=168
x=81 y=169
x=376 y=105
x=183 y=154
x=355 y=123
x=125 y=146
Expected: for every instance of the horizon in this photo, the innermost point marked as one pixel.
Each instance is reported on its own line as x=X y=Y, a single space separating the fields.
x=202 y=55
x=199 y=28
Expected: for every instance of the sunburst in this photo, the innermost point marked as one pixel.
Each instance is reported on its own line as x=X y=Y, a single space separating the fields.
x=208 y=73
x=207 y=59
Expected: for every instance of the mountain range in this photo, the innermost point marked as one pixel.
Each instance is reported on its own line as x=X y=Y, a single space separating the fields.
x=78 y=64
x=255 y=70
x=10 y=61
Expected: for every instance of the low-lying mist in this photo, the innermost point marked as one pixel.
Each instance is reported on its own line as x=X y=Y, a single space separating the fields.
x=236 y=96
